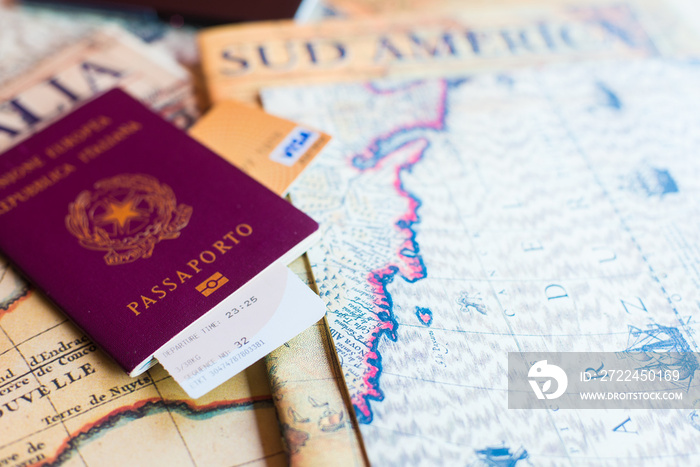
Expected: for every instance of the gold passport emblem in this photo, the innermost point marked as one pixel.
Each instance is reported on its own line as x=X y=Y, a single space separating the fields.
x=126 y=216
x=212 y=283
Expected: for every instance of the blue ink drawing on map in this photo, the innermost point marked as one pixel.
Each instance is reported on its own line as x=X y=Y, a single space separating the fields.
x=663 y=348
x=501 y=456
x=611 y=98
x=653 y=182
x=425 y=316
x=471 y=302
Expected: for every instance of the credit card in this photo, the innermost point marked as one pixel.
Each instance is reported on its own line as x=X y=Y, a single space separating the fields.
x=272 y=150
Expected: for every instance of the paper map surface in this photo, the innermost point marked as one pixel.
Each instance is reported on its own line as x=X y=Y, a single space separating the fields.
x=94 y=64
x=63 y=402
x=239 y=60
x=466 y=218
x=315 y=418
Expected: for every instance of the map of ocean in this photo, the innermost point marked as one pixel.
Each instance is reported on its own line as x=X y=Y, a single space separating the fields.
x=539 y=210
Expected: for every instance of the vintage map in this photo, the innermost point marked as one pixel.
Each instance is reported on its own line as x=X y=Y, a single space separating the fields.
x=307 y=385
x=62 y=401
x=33 y=32
x=238 y=60
x=359 y=8
x=466 y=218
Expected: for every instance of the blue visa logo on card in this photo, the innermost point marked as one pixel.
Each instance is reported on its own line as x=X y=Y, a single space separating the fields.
x=294 y=145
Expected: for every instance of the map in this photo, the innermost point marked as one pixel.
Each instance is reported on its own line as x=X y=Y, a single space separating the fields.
x=538 y=210
x=63 y=402
x=32 y=33
x=307 y=385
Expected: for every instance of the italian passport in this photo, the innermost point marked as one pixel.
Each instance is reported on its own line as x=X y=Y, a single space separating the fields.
x=138 y=232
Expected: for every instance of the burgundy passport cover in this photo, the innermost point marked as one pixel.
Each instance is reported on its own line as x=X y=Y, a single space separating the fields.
x=133 y=228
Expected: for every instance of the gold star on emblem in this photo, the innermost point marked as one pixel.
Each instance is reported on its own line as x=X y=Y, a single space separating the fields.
x=121 y=213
